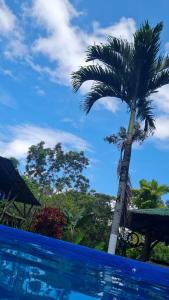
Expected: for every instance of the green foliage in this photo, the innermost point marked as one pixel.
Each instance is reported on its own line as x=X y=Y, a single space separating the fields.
x=73 y=232
x=33 y=186
x=160 y=253
x=15 y=162
x=101 y=246
x=88 y=216
x=53 y=169
x=98 y=219
x=150 y=194
x=134 y=253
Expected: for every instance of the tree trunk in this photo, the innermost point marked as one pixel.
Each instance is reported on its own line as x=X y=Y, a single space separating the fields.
x=121 y=196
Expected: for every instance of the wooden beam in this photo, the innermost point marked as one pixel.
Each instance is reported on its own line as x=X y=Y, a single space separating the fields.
x=147 y=247
x=24 y=210
x=29 y=211
x=18 y=210
x=7 y=205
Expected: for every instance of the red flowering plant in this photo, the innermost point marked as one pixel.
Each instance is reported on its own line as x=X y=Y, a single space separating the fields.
x=50 y=221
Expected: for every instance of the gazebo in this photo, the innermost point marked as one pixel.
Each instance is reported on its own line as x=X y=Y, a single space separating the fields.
x=153 y=224
x=14 y=193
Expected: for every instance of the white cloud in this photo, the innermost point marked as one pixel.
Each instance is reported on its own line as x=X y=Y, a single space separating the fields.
x=111 y=104
x=161 y=99
x=62 y=42
x=7 y=19
x=59 y=40
x=161 y=135
x=65 y=43
x=12 y=33
x=162 y=128
x=125 y=29
x=21 y=137
x=16 y=48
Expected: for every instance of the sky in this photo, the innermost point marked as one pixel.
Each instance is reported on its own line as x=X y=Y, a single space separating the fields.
x=41 y=44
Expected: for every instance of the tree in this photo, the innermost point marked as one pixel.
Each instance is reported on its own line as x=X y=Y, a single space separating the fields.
x=149 y=195
x=15 y=162
x=53 y=169
x=130 y=72
x=98 y=216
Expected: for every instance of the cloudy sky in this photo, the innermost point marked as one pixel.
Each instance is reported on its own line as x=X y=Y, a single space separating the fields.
x=41 y=43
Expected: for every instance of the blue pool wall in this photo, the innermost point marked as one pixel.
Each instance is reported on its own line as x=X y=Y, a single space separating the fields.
x=139 y=270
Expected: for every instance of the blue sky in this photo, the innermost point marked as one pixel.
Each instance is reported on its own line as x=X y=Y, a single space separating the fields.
x=41 y=43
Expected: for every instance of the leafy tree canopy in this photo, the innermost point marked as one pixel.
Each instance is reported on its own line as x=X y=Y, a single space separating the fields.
x=149 y=195
x=56 y=170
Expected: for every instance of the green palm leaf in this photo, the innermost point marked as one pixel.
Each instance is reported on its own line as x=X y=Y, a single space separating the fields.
x=129 y=71
x=97 y=92
x=145 y=114
x=94 y=73
x=114 y=55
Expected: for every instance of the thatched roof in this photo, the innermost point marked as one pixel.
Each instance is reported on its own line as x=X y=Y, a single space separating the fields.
x=155 y=220
x=12 y=184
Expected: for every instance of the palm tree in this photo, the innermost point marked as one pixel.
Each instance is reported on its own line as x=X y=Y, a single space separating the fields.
x=149 y=195
x=130 y=72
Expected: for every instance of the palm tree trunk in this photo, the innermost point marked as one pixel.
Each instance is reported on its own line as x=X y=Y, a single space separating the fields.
x=121 y=196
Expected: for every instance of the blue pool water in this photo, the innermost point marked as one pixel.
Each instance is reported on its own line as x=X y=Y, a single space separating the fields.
x=37 y=267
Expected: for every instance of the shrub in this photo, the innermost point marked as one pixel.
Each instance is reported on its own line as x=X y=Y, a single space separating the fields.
x=49 y=221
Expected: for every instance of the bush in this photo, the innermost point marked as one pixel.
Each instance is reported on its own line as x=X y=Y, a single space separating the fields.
x=160 y=253
x=49 y=221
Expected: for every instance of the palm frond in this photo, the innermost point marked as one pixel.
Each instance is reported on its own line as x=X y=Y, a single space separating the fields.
x=114 y=54
x=145 y=114
x=121 y=47
x=94 y=73
x=147 y=44
x=97 y=91
x=162 y=64
x=100 y=52
x=159 y=80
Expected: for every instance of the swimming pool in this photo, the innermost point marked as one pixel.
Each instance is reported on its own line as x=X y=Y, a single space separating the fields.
x=37 y=267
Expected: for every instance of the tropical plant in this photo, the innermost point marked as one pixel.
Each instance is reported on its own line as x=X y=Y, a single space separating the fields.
x=131 y=72
x=73 y=232
x=160 y=253
x=150 y=194
x=88 y=216
x=49 y=221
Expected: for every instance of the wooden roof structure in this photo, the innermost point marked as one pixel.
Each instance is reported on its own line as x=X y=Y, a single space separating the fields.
x=154 y=220
x=152 y=223
x=13 y=186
